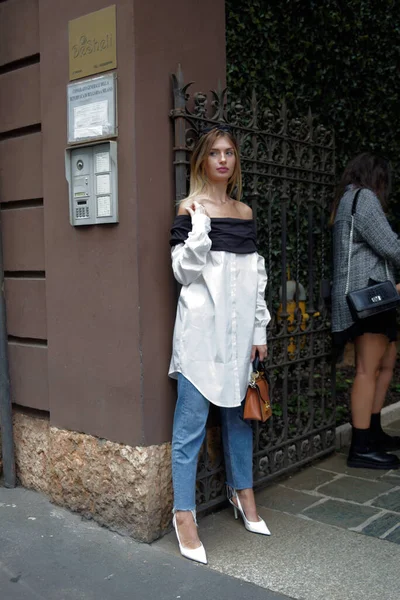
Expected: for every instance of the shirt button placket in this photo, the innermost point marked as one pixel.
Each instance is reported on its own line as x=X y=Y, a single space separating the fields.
x=233 y=260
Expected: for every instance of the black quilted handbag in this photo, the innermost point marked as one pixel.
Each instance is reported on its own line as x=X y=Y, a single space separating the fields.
x=374 y=299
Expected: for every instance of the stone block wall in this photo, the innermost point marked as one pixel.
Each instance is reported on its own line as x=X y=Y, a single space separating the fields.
x=126 y=489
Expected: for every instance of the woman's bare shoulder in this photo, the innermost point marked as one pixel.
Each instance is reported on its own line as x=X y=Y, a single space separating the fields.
x=183 y=205
x=244 y=210
x=201 y=199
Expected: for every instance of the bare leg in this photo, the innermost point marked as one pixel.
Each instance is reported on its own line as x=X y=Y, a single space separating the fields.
x=187 y=529
x=385 y=375
x=381 y=439
x=248 y=503
x=370 y=350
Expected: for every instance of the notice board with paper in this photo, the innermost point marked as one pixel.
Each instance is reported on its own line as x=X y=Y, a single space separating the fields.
x=92 y=109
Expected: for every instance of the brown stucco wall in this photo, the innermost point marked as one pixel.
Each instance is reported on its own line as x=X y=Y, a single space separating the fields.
x=19 y=27
x=21 y=201
x=91 y=309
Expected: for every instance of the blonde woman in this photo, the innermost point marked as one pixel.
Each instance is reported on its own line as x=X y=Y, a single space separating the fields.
x=220 y=326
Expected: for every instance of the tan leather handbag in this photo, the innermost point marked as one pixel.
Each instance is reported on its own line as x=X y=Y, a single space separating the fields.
x=257 y=405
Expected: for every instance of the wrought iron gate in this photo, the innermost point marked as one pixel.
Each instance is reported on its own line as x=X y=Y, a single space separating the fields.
x=288 y=168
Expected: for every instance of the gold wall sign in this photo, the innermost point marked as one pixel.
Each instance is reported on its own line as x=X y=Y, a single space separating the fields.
x=92 y=43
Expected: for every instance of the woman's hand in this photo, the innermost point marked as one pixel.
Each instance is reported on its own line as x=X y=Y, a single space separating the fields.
x=196 y=209
x=398 y=288
x=260 y=350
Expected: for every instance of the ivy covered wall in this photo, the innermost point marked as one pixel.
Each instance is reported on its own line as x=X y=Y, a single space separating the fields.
x=342 y=58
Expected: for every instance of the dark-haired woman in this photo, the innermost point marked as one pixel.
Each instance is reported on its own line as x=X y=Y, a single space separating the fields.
x=220 y=325
x=370 y=259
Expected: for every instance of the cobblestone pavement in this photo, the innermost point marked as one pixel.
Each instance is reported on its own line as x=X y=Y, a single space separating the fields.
x=365 y=501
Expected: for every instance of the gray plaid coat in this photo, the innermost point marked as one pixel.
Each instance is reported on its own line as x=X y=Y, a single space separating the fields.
x=374 y=241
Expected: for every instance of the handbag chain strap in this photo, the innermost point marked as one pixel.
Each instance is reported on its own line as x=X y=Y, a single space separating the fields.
x=353 y=211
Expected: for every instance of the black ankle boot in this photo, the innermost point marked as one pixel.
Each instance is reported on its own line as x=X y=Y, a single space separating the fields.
x=381 y=440
x=363 y=453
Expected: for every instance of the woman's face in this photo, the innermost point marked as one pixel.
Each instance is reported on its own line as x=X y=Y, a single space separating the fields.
x=221 y=161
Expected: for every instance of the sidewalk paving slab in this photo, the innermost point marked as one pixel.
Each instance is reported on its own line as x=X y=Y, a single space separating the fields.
x=382 y=525
x=291 y=501
x=394 y=536
x=390 y=501
x=340 y=513
x=348 y=488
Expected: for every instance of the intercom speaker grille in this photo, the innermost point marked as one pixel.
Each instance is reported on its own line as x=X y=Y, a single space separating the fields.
x=82 y=212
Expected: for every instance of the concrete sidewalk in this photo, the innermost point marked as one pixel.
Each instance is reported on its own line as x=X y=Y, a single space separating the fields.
x=335 y=535
x=49 y=553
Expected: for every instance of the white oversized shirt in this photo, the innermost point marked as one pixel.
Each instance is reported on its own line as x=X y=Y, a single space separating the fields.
x=221 y=313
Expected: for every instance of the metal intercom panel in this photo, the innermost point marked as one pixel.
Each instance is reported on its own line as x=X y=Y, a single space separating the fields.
x=91 y=172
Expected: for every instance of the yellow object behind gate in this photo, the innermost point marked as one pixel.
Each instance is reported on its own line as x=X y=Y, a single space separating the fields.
x=291 y=307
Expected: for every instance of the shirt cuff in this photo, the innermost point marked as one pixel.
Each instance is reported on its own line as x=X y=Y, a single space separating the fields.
x=201 y=223
x=260 y=336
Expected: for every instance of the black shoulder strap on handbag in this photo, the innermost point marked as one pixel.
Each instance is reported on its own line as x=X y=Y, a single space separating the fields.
x=353 y=210
x=354 y=207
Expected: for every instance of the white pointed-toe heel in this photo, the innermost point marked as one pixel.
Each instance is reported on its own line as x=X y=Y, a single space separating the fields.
x=259 y=526
x=196 y=554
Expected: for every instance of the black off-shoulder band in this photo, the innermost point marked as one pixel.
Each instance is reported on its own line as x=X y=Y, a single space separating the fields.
x=227 y=234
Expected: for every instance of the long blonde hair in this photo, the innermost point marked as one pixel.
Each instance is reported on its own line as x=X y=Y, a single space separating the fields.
x=198 y=178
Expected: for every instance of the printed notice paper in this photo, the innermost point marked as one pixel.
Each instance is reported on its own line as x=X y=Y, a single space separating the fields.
x=91 y=119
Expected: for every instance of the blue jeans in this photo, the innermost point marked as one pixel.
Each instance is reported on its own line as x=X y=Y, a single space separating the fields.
x=189 y=430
